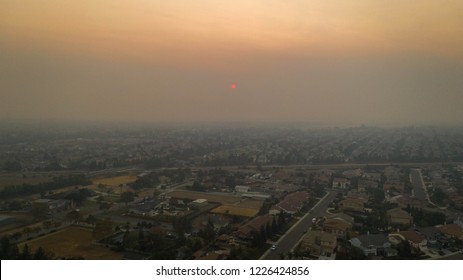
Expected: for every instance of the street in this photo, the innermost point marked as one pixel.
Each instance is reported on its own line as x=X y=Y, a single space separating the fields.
x=290 y=239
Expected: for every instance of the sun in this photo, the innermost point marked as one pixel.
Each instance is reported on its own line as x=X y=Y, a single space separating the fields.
x=233 y=86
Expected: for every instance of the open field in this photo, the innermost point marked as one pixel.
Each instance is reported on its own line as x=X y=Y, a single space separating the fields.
x=236 y=210
x=223 y=199
x=112 y=184
x=12 y=179
x=231 y=204
x=115 y=181
x=72 y=242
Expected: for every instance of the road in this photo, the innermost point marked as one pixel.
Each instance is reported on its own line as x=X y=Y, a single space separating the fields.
x=418 y=186
x=290 y=239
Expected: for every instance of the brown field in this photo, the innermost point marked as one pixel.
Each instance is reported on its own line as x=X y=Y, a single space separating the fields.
x=115 y=181
x=224 y=199
x=11 y=179
x=72 y=242
x=236 y=210
x=112 y=183
x=235 y=205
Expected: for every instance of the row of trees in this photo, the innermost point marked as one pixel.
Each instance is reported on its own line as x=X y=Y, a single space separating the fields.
x=56 y=183
x=10 y=251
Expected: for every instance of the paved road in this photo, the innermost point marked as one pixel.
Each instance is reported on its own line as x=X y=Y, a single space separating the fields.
x=418 y=185
x=293 y=235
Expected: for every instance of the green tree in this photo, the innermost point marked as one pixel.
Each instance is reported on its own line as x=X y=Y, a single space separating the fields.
x=8 y=250
x=40 y=210
x=404 y=250
x=25 y=254
x=127 y=197
x=40 y=254
x=102 y=229
x=196 y=186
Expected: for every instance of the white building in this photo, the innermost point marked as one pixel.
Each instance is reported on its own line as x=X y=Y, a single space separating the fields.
x=242 y=189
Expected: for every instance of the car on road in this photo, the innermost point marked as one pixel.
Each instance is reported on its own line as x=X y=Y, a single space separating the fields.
x=274 y=247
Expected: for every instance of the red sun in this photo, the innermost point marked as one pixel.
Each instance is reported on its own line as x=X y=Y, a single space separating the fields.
x=233 y=86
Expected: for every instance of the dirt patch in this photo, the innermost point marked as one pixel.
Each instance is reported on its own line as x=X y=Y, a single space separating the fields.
x=236 y=211
x=230 y=204
x=13 y=179
x=72 y=242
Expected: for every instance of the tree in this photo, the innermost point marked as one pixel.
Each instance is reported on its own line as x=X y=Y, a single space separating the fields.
x=25 y=254
x=74 y=216
x=27 y=231
x=40 y=254
x=8 y=250
x=40 y=210
x=12 y=165
x=438 y=195
x=104 y=206
x=196 y=186
x=404 y=250
x=127 y=197
x=91 y=219
x=102 y=229
x=274 y=225
x=290 y=255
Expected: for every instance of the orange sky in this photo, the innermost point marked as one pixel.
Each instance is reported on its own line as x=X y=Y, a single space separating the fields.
x=270 y=39
x=184 y=29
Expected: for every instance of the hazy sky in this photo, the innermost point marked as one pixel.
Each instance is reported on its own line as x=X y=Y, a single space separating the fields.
x=329 y=61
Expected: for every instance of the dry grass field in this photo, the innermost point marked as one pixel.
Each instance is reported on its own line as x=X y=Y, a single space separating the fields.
x=112 y=184
x=236 y=210
x=223 y=199
x=11 y=179
x=72 y=242
x=231 y=204
x=115 y=181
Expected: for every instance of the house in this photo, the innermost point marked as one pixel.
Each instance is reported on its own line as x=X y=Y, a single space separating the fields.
x=244 y=231
x=415 y=238
x=242 y=189
x=340 y=183
x=55 y=205
x=337 y=227
x=352 y=173
x=432 y=235
x=372 y=176
x=366 y=184
x=291 y=204
x=218 y=221
x=198 y=203
x=214 y=255
x=319 y=244
x=322 y=179
x=395 y=188
x=342 y=216
x=392 y=174
x=399 y=217
x=357 y=195
x=372 y=244
x=457 y=201
x=451 y=230
x=352 y=204
x=225 y=241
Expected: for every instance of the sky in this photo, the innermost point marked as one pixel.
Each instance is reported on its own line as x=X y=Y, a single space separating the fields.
x=318 y=61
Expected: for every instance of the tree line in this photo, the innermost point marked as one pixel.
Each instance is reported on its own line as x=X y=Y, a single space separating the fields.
x=57 y=182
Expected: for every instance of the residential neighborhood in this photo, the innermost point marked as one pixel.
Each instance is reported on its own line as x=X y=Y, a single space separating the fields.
x=166 y=199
